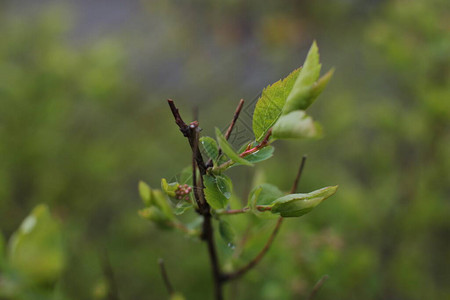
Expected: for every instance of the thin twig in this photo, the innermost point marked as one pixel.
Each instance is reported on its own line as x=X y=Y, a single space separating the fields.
x=233 y=211
x=299 y=174
x=238 y=273
x=230 y=128
x=165 y=277
x=317 y=287
x=113 y=291
x=257 y=259
x=235 y=117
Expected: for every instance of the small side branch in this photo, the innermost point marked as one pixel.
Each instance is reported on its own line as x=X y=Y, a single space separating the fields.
x=317 y=287
x=299 y=174
x=230 y=128
x=238 y=273
x=165 y=277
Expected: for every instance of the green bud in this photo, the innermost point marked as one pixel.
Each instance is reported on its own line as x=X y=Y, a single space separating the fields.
x=296 y=205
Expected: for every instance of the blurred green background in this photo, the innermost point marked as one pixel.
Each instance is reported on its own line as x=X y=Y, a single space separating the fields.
x=83 y=118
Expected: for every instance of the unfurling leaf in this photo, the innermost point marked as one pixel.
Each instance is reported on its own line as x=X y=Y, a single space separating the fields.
x=182 y=207
x=155 y=198
x=145 y=192
x=296 y=125
x=227 y=233
x=154 y=214
x=264 y=194
x=36 y=248
x=260 y=155
x=228 y=150
x=210 y=147
x=306 y=87
x=270 y=105
x=224 y=185
x=213 y=195
x=296 y=205
x=169 y=188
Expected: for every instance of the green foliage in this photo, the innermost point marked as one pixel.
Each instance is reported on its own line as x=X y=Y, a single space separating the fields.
x=295 y=125
x=226 y=233
x=210 y=147
x=228 y=150
x=214 y=196
x=35 y=250
x=270 y=105
x=296 y=205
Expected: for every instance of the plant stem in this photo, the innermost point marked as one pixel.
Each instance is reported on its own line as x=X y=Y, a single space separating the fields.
x=318 y=286
x=165 y=277
x=238 y=273
x=191 y=133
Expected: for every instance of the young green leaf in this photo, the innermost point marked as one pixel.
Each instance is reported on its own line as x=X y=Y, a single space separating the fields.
x=270 y=105
x=169 y=188
x=145 y=192
x=213 y=195
x=267 y=194
x=182 y=207
x=154 y=214
x=226 y=233
x=296 y=205
x=185 y=176
x=306 y=89
x=36 y=248
x=210 y=146
x=260 y=155
x=224 y=185
x=160 y=200
x=228 y=150
x=296 y=125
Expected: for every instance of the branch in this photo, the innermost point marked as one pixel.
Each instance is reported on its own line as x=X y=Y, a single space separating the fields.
x=317 y=287
x=191 y=132
x=108 y=272
x=165 y=277
x=257 y=259
x=238 y=273
x=232 y=211
x=299 y=174
x=188 y=131
x=235 y=117
x=230 y=128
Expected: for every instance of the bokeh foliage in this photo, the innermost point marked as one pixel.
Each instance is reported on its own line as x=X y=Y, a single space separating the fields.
x=78 y=131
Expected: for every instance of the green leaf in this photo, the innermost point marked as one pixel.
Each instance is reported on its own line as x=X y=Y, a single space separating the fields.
x=154 y=214
x=226 y=233
x=36 y=248
x=176 y=296
x=213 y=195
x=306 y=89
x=185 y=176
x=296 y=125
x=224 y=185
x=264 y=194
x=182 y=207
x=260 y=155
x=228 y=150
x=210 y=147
x=169 y=188
x=270 y=105
x=161 y=201
x=296 y=205
x=145 y=193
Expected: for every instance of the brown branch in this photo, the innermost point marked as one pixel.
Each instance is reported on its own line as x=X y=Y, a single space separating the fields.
x=238 y=273
x=108 y=272
x=317 y=287
x=235 y=117
x=299 y=174
x=191 y=133
x=257 y=259
x=230 y=128
x=233 y=211
x=165 y=277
